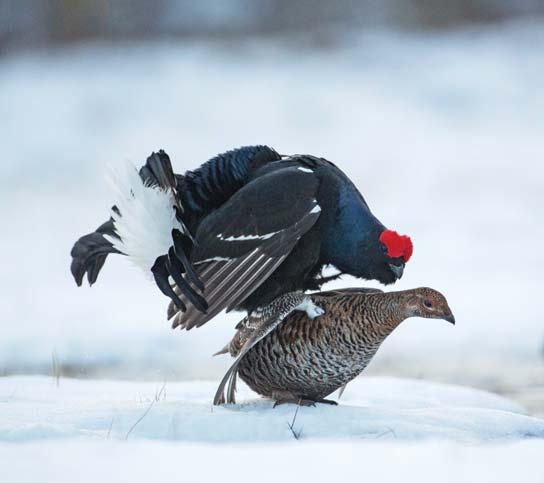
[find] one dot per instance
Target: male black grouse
(246, 227)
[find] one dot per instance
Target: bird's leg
(304, 402)
(312, 310)
(286, 397)
(300, 402)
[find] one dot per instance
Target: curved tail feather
(90, 251)
(147, 226)
(151, 230)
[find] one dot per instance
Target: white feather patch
(330, 271)
(146, 220)
(248, 237)
(213, 259)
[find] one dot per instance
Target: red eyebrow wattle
(397, 245)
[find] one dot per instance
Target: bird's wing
(238, 246)
(255, 327)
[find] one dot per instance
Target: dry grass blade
(55, 367)
(291, 425)
(146, 412)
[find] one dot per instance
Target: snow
(384, 428)
(36, 408)
(443, 135)
(66, 462)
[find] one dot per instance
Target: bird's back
(203, 190)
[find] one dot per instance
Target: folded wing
(241, 244)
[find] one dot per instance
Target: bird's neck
(381, 313)
(351, 234)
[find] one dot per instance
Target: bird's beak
(450, 318)
(397, 270)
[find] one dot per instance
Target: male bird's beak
(450, 318)
(397, 270)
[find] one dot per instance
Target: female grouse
(283, 352)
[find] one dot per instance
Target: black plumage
(256, 225)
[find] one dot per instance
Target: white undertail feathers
(146, 220)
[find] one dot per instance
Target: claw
(300, 402)
(327, 401)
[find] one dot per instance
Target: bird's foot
(286, 397)
(299, 401)
(327, 401)
(312, 310)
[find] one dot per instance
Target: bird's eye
(428, 304)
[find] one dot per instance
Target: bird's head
(396, 250)
(428, 303)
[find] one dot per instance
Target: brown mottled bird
(303, 347)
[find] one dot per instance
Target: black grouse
(246, 227)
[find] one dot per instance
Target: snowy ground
(35, 408)
(383, 428)
(443, 135)
(92, 461)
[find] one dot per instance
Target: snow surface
(35, 408)
(383, 430)
(298, 461)
(443, 135)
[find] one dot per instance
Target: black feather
(90, 251)
(158, 171)
(175, 269)
(182, 246)
(161, 274)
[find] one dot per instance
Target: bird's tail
(90, 251)
(146, 225)
(145, 214)
(224, 350)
